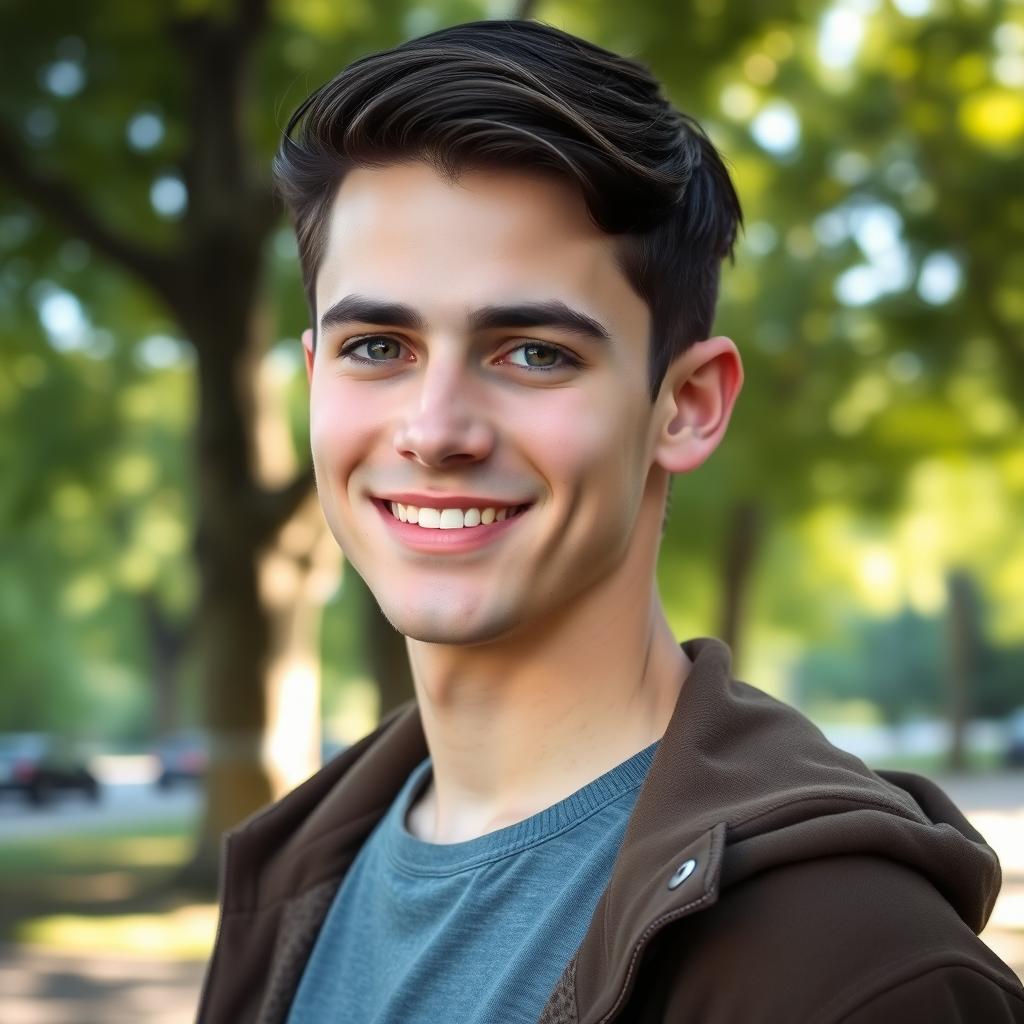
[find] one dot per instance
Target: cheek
(341, 425)
(585, 443)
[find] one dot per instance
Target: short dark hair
(523, 94)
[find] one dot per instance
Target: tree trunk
(261, 676)
(258, 547)
(742, 539)
(962, 662)
(261, 577)
(166, 642)
(234, 635)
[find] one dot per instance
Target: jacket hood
(742, 783)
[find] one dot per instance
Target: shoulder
(940, 993)
(852, 939)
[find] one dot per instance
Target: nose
(444, 426)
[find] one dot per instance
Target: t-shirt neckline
(416, 856)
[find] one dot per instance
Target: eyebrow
(550, 313)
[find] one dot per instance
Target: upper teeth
(448, 518)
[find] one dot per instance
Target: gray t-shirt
(474, 932)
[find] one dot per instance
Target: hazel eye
(378, 348)
(537, 356)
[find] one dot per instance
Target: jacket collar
(740, 783)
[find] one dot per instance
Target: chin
(447, 623)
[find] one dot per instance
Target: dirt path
(40, 987)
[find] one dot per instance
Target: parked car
(183, 757)
(38, 766)
(1015, 739)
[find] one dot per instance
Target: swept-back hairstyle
(521, 94)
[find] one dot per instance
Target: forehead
(403, 233)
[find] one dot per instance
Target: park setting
(185, 643)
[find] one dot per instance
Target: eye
(378, 348)
(535, 355)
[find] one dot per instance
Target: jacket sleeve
(953, 994)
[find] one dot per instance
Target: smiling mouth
(451, 518)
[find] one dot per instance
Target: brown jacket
(765, 877)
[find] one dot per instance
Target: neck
(517, 725)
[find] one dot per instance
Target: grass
(155, 845)
(109, 890)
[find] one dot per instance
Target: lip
(447, 501)
(469, 538)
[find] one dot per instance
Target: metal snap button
(683, 872)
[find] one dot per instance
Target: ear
(308, 349)
(695, 402)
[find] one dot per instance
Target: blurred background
(181, 642)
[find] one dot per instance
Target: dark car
(38, 766)
(183, 757)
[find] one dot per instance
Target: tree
(875, 297)
(257, 535)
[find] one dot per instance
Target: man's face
(462, 405)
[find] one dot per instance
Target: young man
(511, 244)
